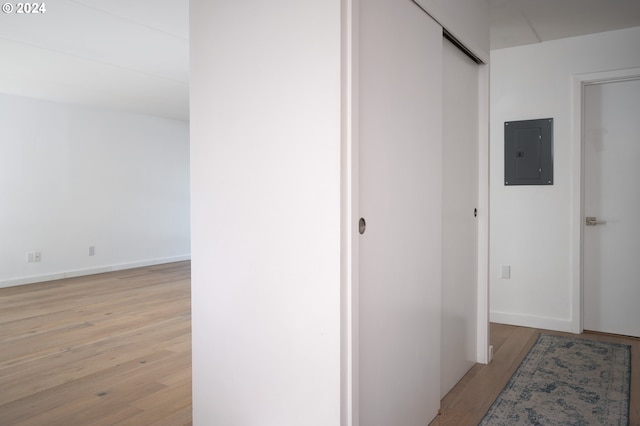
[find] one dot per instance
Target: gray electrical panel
(528, 152)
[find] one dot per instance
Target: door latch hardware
(593, 221)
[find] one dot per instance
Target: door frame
(577, 202)
(485, 350)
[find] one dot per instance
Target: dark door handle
(362, 225)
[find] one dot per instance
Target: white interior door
(459, 224)
(400, 181)
(611, 262)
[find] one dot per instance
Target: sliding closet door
(400, 200)
(459, 223)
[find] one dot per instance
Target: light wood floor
(115, 348)
(470, 399)
(106, 349)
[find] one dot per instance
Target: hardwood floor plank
(82, 351)
(44, 396)
(179, 418)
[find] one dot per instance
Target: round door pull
(362, 225)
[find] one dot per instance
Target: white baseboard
(532, 321)
(91, 271)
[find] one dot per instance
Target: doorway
(611, 233)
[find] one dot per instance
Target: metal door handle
(593, 221)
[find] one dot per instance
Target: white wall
(74, 177)
(532, 226)
(265, 173)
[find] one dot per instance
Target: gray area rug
(566, 381)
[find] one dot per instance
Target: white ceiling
(520, 22)
(133, 55)
(122, 54)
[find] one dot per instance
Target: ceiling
(134, 55)
(520, 22)
(122, 54)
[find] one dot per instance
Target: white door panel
(400, 166)
(459, 225)
(612, 194)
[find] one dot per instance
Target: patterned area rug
(566, 381)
